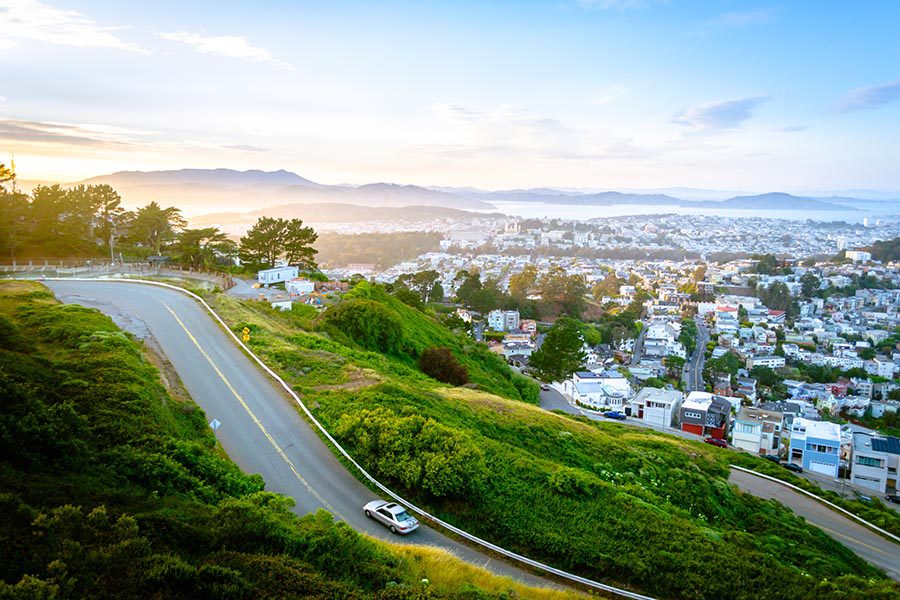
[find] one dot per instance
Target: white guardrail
(830, 505)
(477, 540)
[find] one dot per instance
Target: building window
(821, 449)
(869, 461)
(693, 415)
(746, 428)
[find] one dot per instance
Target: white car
(392, 515)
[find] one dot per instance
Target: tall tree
(203, 247)
(13, 222)
(271, 239)
(522, 284)
(562, 352)
(110, 214)
(154, 226)
(298, 245)
(609, 286)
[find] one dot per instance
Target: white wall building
(503, 320)
(657, 406)
(608, 390)
(874, 461)
(277, 275)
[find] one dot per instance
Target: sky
(595, 94)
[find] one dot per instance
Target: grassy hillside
(623, 505)
(110, 487)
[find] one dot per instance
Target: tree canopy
(561, 353)
(271, 240)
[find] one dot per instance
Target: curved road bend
(261, 431)
(870, 546)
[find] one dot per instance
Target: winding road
(865, 543)
(260, 429)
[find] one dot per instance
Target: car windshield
(402, 516)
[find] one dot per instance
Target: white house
(661, 339)
(758, 431)
(608, 390)
(300, 287)
(773, 362)
(277, 275)
(874, 461)
(657, 406)
(503, 320)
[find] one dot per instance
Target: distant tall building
(841, 243)
(866, 222)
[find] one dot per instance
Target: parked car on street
(545, 387)
(792, 467)
(614, 414)
(895, 498)
(773, 457)
(391, 515)
(716, 442)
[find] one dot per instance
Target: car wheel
(393, 529)
(368, 514)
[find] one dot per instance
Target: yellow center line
(854, 540)
(253, 417)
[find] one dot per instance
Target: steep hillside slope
(112, 487)
(627, 506)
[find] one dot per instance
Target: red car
(716, 442)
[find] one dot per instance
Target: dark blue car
(614, 414)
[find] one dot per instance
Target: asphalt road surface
(261, 429)
(693, 369)
(867, 544)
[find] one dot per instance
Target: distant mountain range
(770, 201)
(194, 190)
(205, 190)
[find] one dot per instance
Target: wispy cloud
(244, 148)
(233, 46)
(871, 97)
(32, 20)
(742, 18)
(611, 4)
(719, 116)
(512, 132)
(18, 131)
(793, 128)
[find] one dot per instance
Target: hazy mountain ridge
(196, 190)
(201, 190)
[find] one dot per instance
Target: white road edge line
(484, 543)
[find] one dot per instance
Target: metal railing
(460, 532)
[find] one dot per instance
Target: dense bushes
(370, 324)
(419, 454)
(443, 366)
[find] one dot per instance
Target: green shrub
(369, 324)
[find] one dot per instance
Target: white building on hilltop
(607, 390)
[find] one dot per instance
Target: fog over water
(886, 210)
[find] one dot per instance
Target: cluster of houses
(298, 290)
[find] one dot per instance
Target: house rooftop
(889, 444)
(824, 430)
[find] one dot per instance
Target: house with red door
(706, 414)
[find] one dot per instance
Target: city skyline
(593, 94)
